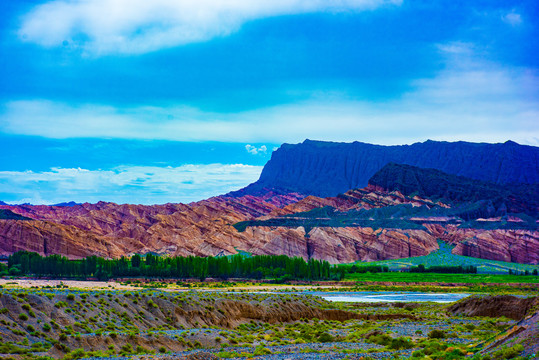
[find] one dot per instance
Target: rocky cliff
(327, 168)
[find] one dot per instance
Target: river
(369, 296)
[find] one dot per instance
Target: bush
(70, 297)
(260, 350)
(508, 353)
(75, 354)
(162, 349)
(23, 317)
(325, 337)
(400, 343)
(437, 334)
(380, 339)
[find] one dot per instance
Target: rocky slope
(112, 230)
(94, 320)
(327, 168)
(525, 332)
(509, 306)
(431, 183)
(206, 228)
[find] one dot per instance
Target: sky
(149, 102)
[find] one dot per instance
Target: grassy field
(444, 278)
(443, 256)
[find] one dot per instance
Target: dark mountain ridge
(438, 185)
(327, 168)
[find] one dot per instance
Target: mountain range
(327, 168)
(334, 201)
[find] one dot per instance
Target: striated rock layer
(206, 228)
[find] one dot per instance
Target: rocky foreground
(69, 324)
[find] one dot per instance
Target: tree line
(445, 269)
(279, 267)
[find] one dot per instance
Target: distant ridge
(435, 184)
(328, 168)
(67, 204)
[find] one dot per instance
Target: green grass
(443, 256)
(443, 278)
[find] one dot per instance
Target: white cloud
(470, 99)
(135, 184)
(140, 26)
(513, 18)
(254, 150)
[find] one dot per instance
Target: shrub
(380, 339)
(401, 343)
(75, 354)
(325, 337)
(23, 317)
(508, 353)
(437, 334)
(260, 350)
(162, 350)
(70, 297)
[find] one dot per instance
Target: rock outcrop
(509, 306)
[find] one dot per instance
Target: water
(369, 296)
(373, 296)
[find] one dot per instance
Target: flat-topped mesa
(327, 168)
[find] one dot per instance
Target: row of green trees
(362, 269)
(526, 272)
(256, 267)
(443, 269)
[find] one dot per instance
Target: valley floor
(72, 320)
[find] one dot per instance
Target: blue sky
(174, 100)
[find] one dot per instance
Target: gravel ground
(327, 351)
